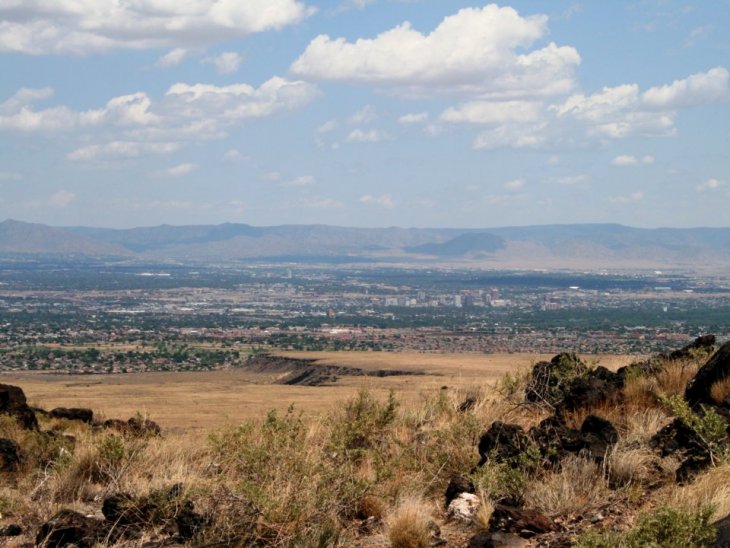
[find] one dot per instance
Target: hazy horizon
(366, 113)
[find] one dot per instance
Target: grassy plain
(199, 401)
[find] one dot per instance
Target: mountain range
(585, 246)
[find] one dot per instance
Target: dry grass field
(199, 401)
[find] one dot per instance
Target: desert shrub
(710, 427)
(408, 526)
(506, 479)
(628, 464)
(663, 527)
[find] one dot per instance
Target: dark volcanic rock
(598, 386)
(73, 414)
(143, 427)
(457, 485)
(70, 528)
(524, 522)
(189, 522)
(556, 440)
(549, 380)
(12, 530)
(9, 455)
(13, 402)
(467, 405)
(716, 369)
(723, 532)
(703, 345)
(124, 509)
(679, 440)
(502, 442)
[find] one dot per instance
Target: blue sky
(365, 112)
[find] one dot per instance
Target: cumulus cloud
(477, 51)
(413, 118)
(625, 160)
(116, 150)
(711, 185)
(140, 124)
(512, 136)
(369, 136)
(180, 170)
(627, 199)
(514, 185)
(384, 200)
(172, 58)
(698, 89)
(571, 180)
(302, 180)
(225, 63)
(491, 112)
(86, 26)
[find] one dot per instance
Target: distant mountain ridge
(590, 246)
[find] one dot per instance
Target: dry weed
(484, 512)
(628, 464)
(711, 488)
(720, 390)
(408, 525)
(578, 485)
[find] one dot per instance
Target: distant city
(178, 318)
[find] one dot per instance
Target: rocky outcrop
(550, 380)
(69, 528)
(701, 346)
(716, 369)
(9, 455)
(524, 522)
(73, 414)
(556, 440)
(502, 442)
(13, 403)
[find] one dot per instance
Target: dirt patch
(308, 372)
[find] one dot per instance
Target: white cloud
(625, 160)
(384, 200)
(413, 118)
(62, 198)
(86, 26)
(477, 52)
(630, 198)
(121, 150)
(172, 58)
(698, 89)
(181, 170)
(225, 63)
(711, 185)
(327, 127)
(514, 185)
(320, 203)
(571, 180)
(302, 180)
(491, 112)
(233, 155)
(365, 115)
(271, 177)
(370, 136)
(512, 136)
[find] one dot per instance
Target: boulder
(524, 522)
(467, 405)
(13, 402)
(10, 455)
(69, 528)
(723, 532)
(716, 369)
(596, 387)
(143, 427)
(189, 522)
(463, 507)
(549, 380)
(123, 509)
(556, 440)
(679, 440)
(496, 540)
(599, 434)
(73, 414)
(502, 442)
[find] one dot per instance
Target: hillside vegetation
(566, 454)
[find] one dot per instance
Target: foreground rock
(135, 426)
(9, 455)
(701, 346)
(556, 440)
(523, 522)
(679, 440)
(716, 369)
(550, 380)
(463, 507)
(68, 528)
(73, 414)
(503, 443)
(13, 403)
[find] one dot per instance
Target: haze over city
(365, 112)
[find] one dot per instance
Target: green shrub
(663, 527)
(710, 427)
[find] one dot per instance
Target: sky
(413, 113)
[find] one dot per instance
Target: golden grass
(711, 488)
(576, 487)
(408, 525)
(720, 390)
